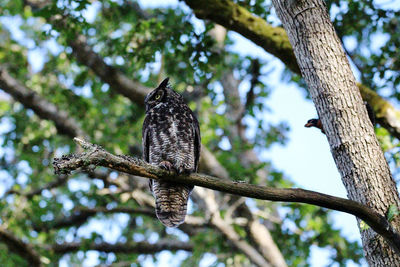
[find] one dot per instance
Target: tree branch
(97, 156)
(111, 75)
(19, 247)
(44, 109)
(130, 247)
(248, 158)
(81, 215)
(234, 17)
(85, 55)
(275, 41)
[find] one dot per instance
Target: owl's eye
(158, 96)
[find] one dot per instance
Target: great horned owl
(171, 140)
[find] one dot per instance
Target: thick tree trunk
(324, 66)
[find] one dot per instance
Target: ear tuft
(164, 83)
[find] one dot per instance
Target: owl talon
(180, 171)
(166, 165)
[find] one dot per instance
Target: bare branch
(99, 157)
(19, 247)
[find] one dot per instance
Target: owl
(171, 140)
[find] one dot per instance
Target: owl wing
(145, 145)
(197, 142)
(145, 139)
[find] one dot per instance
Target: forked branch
(97, 156)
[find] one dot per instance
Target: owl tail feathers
(171, 202)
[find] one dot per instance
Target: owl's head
(158, 95)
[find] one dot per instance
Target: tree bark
(325, 68)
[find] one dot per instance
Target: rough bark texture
(356, 151)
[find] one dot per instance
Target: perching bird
(171, 140)
(315, 123)
(318, 124)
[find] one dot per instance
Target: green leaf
(364, 226)
(392, 211)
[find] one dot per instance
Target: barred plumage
(171, 140)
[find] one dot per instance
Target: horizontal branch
(130, 247)
(97, 156)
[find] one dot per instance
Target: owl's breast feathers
(173, 135)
